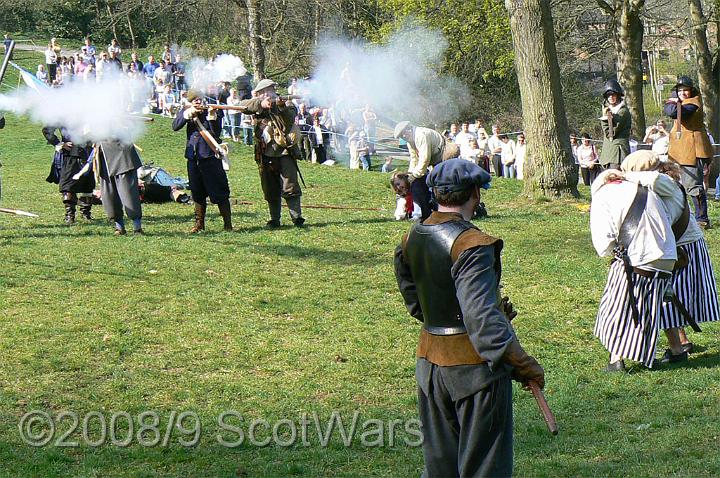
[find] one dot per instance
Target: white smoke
(401, 79)
(90, 111)
(224, 67)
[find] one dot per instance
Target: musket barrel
(544, 407)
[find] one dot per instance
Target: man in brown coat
(276, 151)
(689, 143)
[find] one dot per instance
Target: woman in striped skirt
(651, 254)
(694, 283)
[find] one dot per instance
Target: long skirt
(695, 287)
(614, 325)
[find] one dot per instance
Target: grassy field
(275, 324)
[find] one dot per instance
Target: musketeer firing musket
(205, 153)
(277, 150)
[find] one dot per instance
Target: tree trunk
(316, 30)
(257, 49)
(628, 44)
(112, 20)
(549, 166)
(132, 32)
(708, 86)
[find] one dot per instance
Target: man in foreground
(448, 272)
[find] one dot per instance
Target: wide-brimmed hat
(195, 93)
(640, 160)
(399, 128)
(262, 84)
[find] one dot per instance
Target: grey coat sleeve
(406, 284)
(476, 283)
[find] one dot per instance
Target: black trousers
(472, 436)
(421, 195)
(497, 165)
(208, 178)
(320, 153)
(589, 175)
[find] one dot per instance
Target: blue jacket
(196, 147)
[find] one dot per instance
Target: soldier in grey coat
(616, 124)
(117, 167)
(448, 272)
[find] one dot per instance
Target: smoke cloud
(91, 111)
(223, 68)
(400, 80)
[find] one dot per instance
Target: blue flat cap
(456, 175)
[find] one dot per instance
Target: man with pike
(277, 151)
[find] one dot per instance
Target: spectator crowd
(326, 131)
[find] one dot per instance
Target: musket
(17, 212)
(147, 119)
(237, 202)
(544, 407)
(611, 127)
(678, 120)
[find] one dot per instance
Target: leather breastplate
(428, 252)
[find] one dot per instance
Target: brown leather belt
(652, 274)
(447, 350)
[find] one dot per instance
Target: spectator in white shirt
(588, 158)
(507, 156)
(495, 147)
(51, 63)
(102, 65)
(453, 132)
(473, 152)
(463, 138)
(41, 74)
(520, 156)
(114, 47)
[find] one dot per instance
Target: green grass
(274, 324)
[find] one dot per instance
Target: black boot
(701, 210)
(69, 200)
(225, 212)
(199, 218)
(85, 207)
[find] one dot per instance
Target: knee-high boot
(225, 212)
(69, 200)
(85, 207)
(200, 210)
